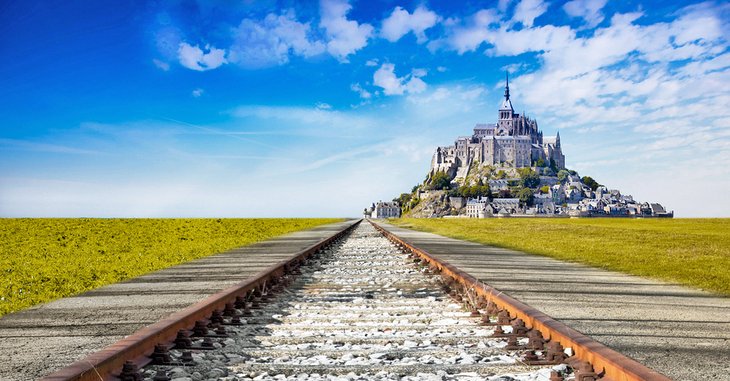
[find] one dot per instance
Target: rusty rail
(107, 363)
(614, 365)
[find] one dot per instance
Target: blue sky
(284, 108)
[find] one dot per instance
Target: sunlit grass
(693, 252)
(45, 259)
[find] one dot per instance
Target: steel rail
(617, 367)
(107, 363)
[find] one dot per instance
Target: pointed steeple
(506, 85)
(506, 103)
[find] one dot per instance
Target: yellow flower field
(45, 259)
(693, 252)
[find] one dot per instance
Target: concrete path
(42, 339)
(680, 332)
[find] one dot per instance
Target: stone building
(478, 208)
(383, 209)
(513, 141)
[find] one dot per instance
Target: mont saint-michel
(514, 141)
(509, 168)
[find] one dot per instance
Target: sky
(307, 109)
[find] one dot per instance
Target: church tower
(506, 112)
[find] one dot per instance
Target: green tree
(540, 162)
(545, 189)
(529, 178)
(526, 196)
(474, 191)
(593, 184)
(553, 165)
(500, 174)
(484, 191)
(440, 180)
(403, 199)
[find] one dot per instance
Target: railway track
(365, 305)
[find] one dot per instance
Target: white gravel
(362, 311)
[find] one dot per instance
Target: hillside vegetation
(45, 259)
(693, 252)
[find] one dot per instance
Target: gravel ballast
(361, 311)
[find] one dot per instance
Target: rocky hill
(487, 191)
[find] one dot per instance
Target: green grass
(693, 252)
(45, 259)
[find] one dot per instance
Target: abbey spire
(506, 85)
(505, 124)
(506, 103)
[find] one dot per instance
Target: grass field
(45, 259)
(694, 252)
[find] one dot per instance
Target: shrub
(440, 180)
(562, 175)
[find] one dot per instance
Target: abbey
(514, 141)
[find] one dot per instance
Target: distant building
(506, 205)
(478, 208)
(498, 185)
(384, 209)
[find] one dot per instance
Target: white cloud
(364, 94)
(391, 84)
(195, 58)
(401, 22)
(588, 10)
(344, 37)
(371, 63)
(503, 4)
(162, 65)
(272, 41)
(386, 79)
(415, 85)
(527, 11)
(471, 35)
(197, 93)
(539, 39)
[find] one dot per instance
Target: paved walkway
(47, 337)
(681, 332)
